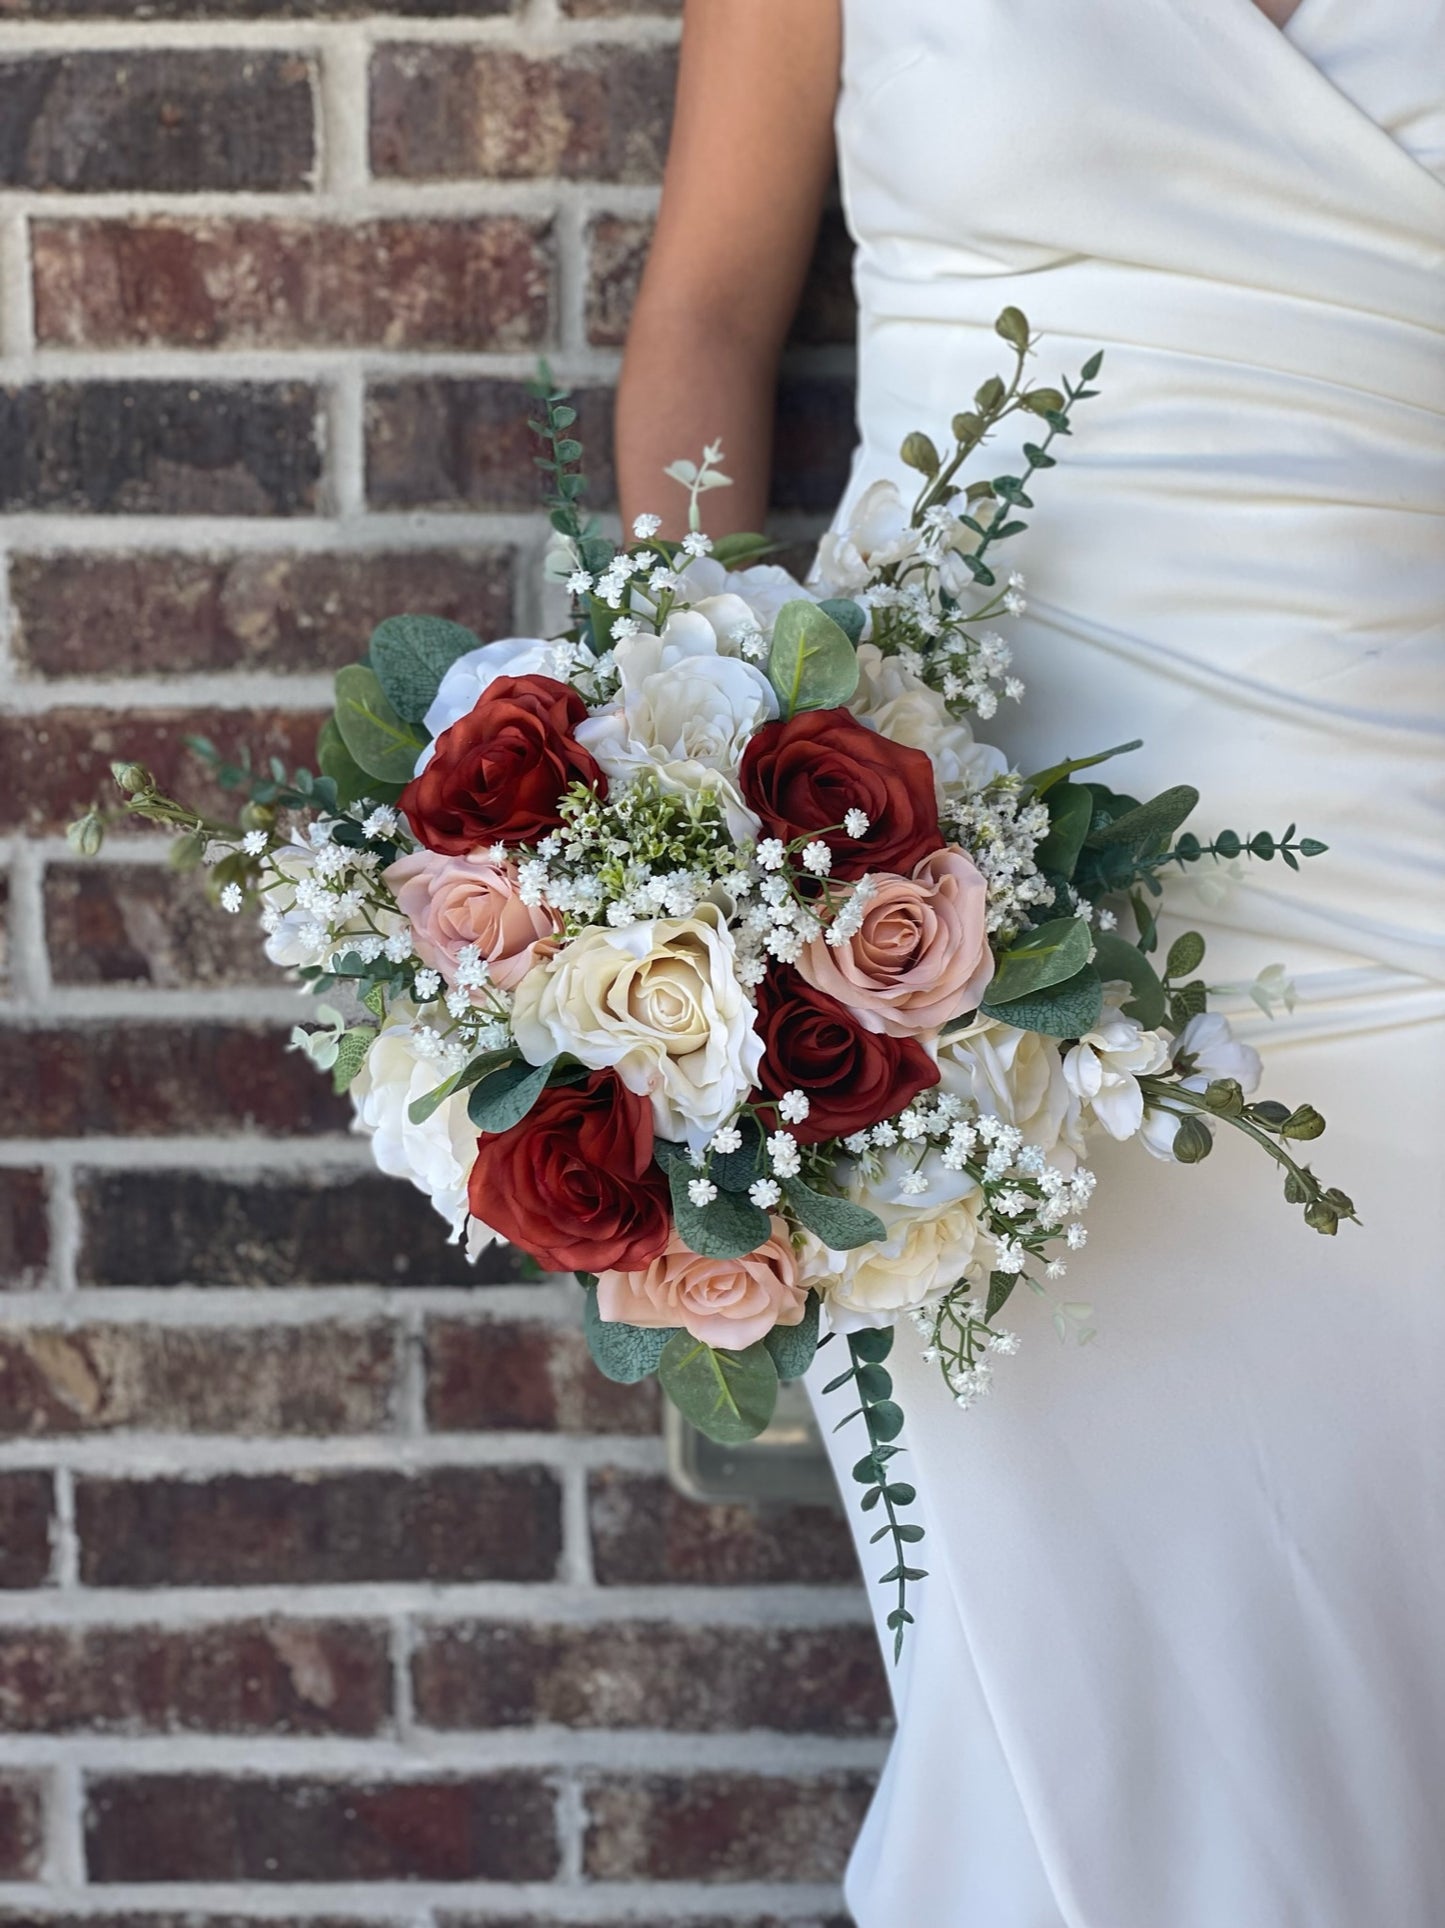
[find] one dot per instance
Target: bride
(1178, 1663)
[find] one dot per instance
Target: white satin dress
(1180, 1660)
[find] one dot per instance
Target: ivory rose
(898, 704)
(934, 1241)
(921, 954)
(659, 1002)
(729, 1303)
(1016, 1076)
(453, 902)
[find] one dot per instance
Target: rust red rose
(804, 775)
(852, 1077)
(498, 774)
(574, 1183)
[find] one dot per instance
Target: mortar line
(66, 1544)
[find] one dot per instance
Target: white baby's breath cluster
(1001, 826)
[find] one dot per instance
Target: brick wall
(334, 1587)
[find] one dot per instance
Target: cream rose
(684, 713)
(891, 699)
(920, 956)
(1016, 1076)
(729, 1303)
(934, 1240)
(453, 902)
(436, 1156)
(662, 1004)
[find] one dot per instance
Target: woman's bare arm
(749, 165)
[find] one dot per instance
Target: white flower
(855, 822)
(231, 898)
(726, 1140)
(877, 533)
(739, 601)
(1016, 1076)
(898, 704)
(426, 985)
(701, 1191)
(662, 1004)
(644, 527)
(381, 822)
(469, 675)
(765, 1192)
(1103, 1069)
(254, 842)
(684, 713)
(794, 1107)
(783, 1154)
(436, 1156)
(817, 859)
(1207, 1049)
(931, 1244)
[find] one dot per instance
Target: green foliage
(812, 664)
(883, 1418)
(623, 1353)
(480, 1067)
(729, 1396)
(793, 1347)
(1064, 1010)
(1116, 957)
(1000, 1289)
(1148, 827)
(741, 551)
(505, 1096)
(379, 741)
(1186, 954)
(848, 615)
(351, 1049)
(411, 654)
(1193, 1140)
(729, 1228)
(1045, 780)
(352, 782)
(840, 1223)
(1071, 811)
(1046, 955)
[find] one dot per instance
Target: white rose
(469, 675)
(662, 1005)
(934, 1241)
(1103, 1069)
(876, 534)
(734, 599)
(898, 704)
(684, 713)
(1018, 1077)
(436, 1156)
(1205, 1049)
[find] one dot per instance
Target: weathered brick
(160, 448)
(256, 611)
(796, 1680)
(246, 1677)
(192, 1918)
(723, 1827)
(214, 1827)
(322, 1379)
(501, 1375)
(645, 1533)
(616, 9)
(617, 248)
(24, 1231)
(325, 1529)
(593, 113)
(142, 1079)
(4, 939)
(26, 1506)
(434, 442)
(58, 764)
(159, 10)
(166, 120)
(145, 924)
(483, 283)
(158, 1228)
(22, 1826)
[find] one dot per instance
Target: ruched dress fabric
(1179, 1660)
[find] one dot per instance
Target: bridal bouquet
(705, 952)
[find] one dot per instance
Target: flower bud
(132, 778)
(919, 453)
(1321, 1217)
(86, 835)
(1192, 1141)
(1226, 1096)
(1303, 1122)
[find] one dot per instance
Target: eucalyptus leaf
(623, 1353)
(1045, 780)
(505, 1096)
(848, 615)
(840, 1223)
(1071, 811)
(334, 760)
(792, 1346)
(1186, 954)
(812, 664)
(1150, 826)
(1041, 957)
(1065, 1010)
(729, 1228)
(351, 1050)
(1116, 957)
(420, 1109)
(734, 1171)
(411, 654)
(378, 739)
(729, 1396)
(740, 551)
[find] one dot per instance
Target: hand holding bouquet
(705, 952)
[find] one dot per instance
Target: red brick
(4, 939)
(165, 120)
(145, 924)
(215, 1827)
(709, 1680)
(645, 1533)
(24, 1231)
(246, 1677)
(322, 1379)
(160, 448)
(22, 1826)
(26, 1503)
(323, 1529)
(617, 248)
(723, 1827)
(483, 283)
(594, 113)
(499, 1376)
(147, 1079)
(434, 442)
(158, 1228)
(58, 764)
(260, 611)
(616, 9)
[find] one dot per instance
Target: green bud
(991, 395)
(1225, 1096)
(186, 852)
(257, 816)
(1340, 1202)
(1270, 1112)
(1295, 1189)
(132, 778)
(86, 835)
(1043, 401)
(1193, 1141)
(1321, 1217)
(1303, 1122)
(967, 427)
(1013, 325)
(919, 453)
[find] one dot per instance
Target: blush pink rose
(728, 1303)
(451, 902)
(920, 956)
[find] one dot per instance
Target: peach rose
(455, 901)
(728, 1303)
(920, 956)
